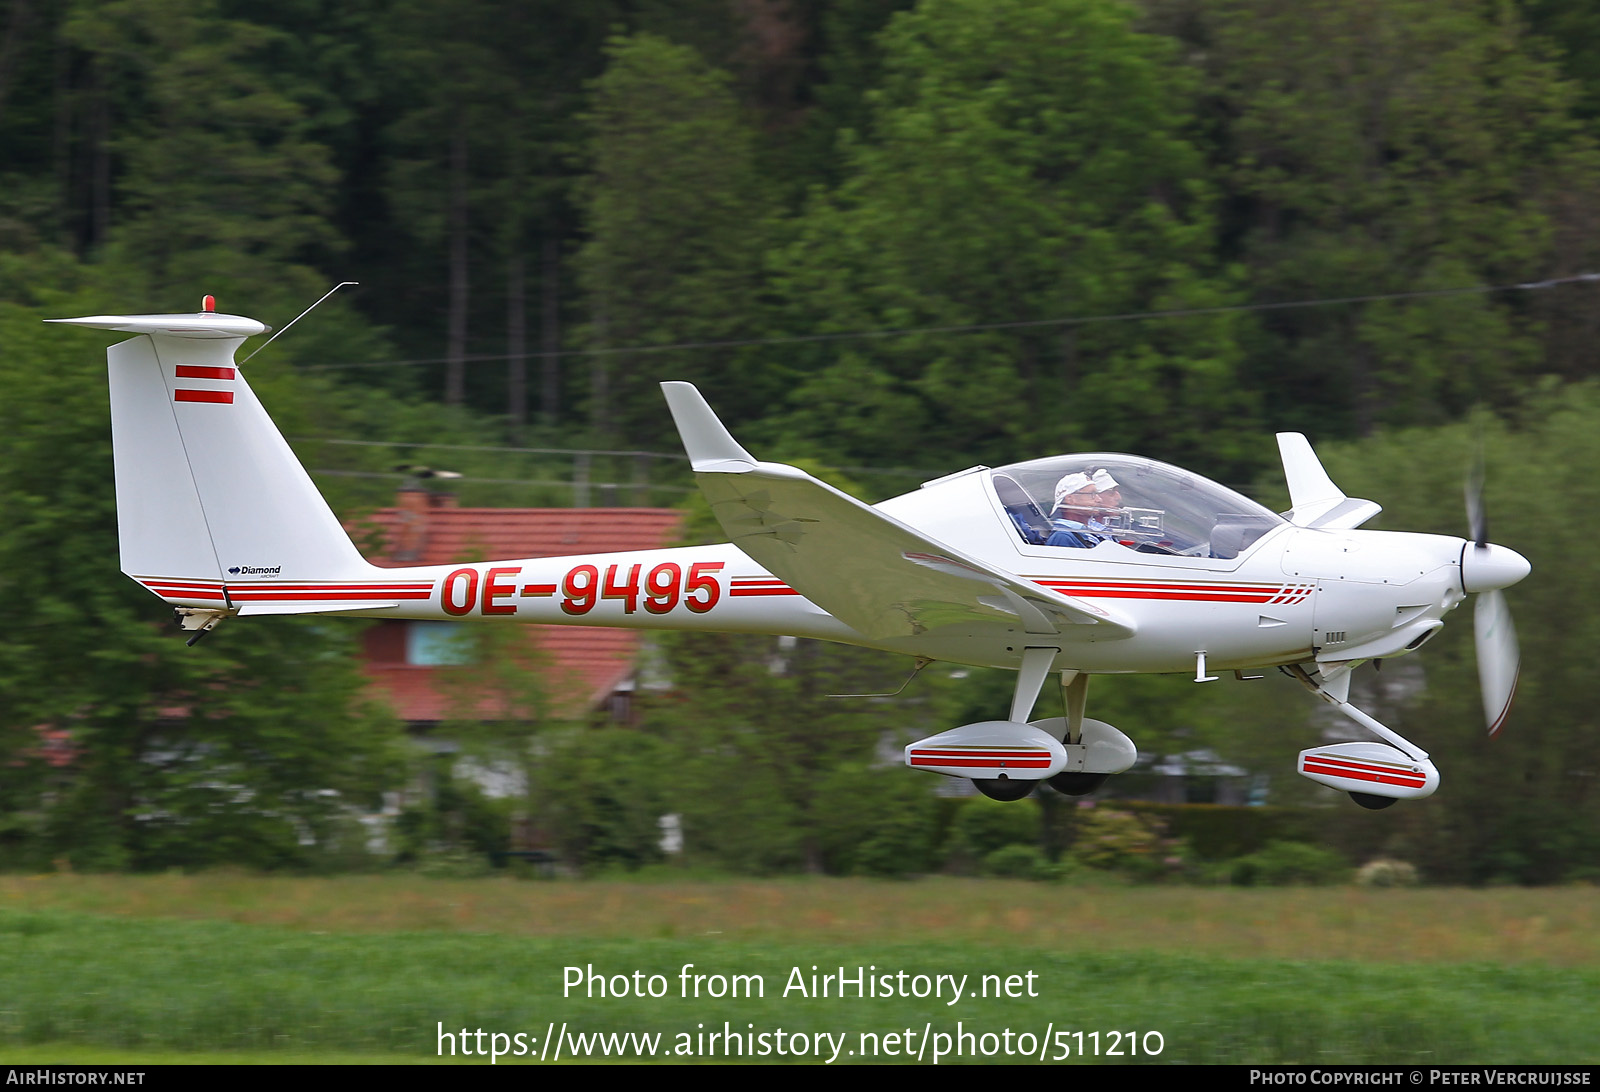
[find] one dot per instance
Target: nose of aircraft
(1487, 567)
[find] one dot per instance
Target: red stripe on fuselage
(1193, 597)
(264, 592)
(1173, 591)
(298, 586)
(319, 597)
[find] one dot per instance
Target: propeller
(1477, 515)
(1486, 569)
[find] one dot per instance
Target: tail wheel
(1003, 788)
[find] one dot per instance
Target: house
(586, 668)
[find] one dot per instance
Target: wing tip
(706, 440)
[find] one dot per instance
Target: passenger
(1108, 494)
(1080, 501)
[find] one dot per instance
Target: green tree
(478, 172)
(1398, 147)
(599, 794)
(677, 218)
(213, 154)
(500, 706)
(123, 747)
(768, 759)
(1023, 162)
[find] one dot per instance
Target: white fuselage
(1295, 594)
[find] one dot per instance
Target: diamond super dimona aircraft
(1076, 565)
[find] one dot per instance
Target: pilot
(1081, 500)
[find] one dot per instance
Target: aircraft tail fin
(209, 494)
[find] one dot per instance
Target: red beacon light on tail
(209, 303)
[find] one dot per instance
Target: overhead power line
(558, 483)
(490, 447)
(573, 452)
(981, 327)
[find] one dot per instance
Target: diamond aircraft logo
(255, 570)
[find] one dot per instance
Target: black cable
(1021, 324)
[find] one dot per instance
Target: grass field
(220, 967)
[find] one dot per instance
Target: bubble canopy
(1155, 508)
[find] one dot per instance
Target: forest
(890, 240)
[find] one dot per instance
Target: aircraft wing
(879, 576)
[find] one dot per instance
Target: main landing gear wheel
(1003, 788)
(1077, 784)
(1372, 803)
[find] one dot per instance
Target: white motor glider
(1078, 565)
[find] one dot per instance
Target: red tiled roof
(585, 664)
(500, 534)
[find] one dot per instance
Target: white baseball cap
(1073, 483)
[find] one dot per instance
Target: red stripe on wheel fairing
(195, 371)
(224, 398)
(1033, 752)
(1372, 778)
(983, 763)
(1375, 774)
